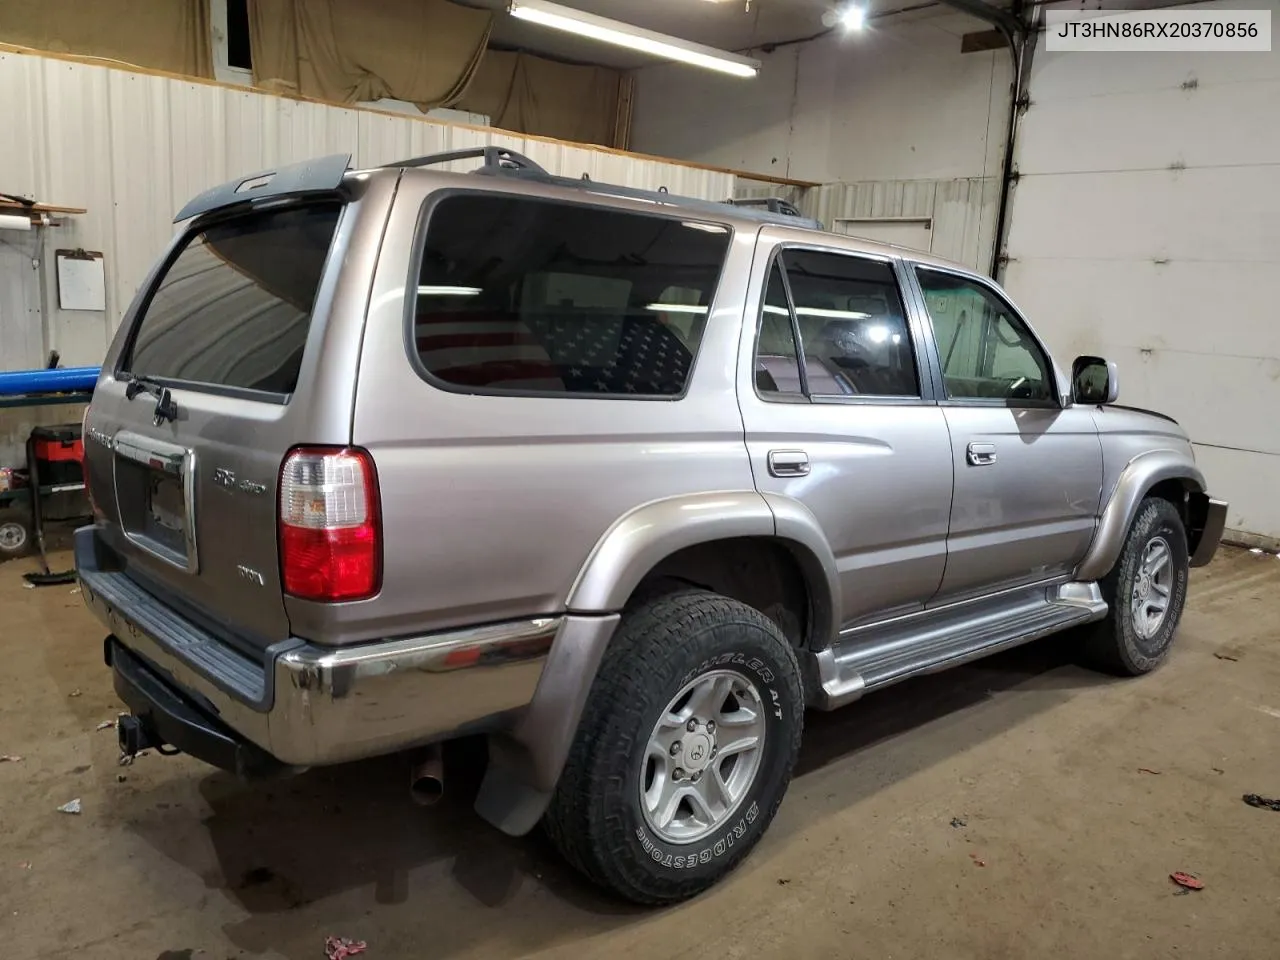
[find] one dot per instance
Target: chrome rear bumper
(311, 705)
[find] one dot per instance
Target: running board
(880, 654)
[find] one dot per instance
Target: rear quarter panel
(491, 505)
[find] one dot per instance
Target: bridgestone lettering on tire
(649, 679)
(1145, 591)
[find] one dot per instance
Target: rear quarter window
(534, 297)
(233, 308)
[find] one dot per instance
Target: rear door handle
(788, 463)
(982, 454)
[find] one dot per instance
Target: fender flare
(642, 538)
(525, 762)
(797, 527)
(1137, 478)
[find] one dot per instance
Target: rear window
(234, 308)
(518, 295)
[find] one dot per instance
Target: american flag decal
(577, 351)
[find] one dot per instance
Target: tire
(597, 818)
(1118, 644)
(15, 534)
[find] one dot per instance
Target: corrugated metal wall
(1145, 227)
(963, 212)
(132, 148)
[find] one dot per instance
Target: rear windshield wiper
(136, 383)
(166, 406)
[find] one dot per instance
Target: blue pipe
(68, 380)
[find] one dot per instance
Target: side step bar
(881, 654)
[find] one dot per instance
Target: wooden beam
(492, 130)
(39, 207)
(984, 40)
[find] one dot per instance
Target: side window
(534, 297)
(684, 310)
(777, 366)
(853, 329)
(986, 351)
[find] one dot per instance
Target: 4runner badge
(227, 479)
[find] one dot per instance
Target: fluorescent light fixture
(853, 17)
(449, 291)
(676, 308)
(633, 38)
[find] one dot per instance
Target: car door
(1028, 465)
(854, 433)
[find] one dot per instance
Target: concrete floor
(1079, 795)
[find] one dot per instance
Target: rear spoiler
(322, 175)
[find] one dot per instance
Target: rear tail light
(330, 535)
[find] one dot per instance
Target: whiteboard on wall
(82, 280)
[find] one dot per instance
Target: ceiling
(726, 24)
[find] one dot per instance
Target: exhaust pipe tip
(426, 791)
(426, 778)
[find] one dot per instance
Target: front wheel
(684, 751)
(1146, 591)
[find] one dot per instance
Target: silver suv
(623, 481)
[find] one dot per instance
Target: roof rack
(499, 161)
(772, 204)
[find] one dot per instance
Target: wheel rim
(702, 756)
(1152, 588)
(12, 536)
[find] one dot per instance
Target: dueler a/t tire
(1115, 643)
(662, 646)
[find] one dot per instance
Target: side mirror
(1094, 381)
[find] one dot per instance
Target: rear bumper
(308, 705)
(1215, 522)
(171, 719)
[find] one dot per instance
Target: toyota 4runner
(623, 481)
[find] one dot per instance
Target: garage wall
(1145, 226)
(895, 122)
(898, 101)
(132, 148)
(955, 219)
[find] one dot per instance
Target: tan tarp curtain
(342, 51)
(169, 35)
(529, 94)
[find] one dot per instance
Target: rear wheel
(15, 533)
(684, 751)
(1146, 591)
